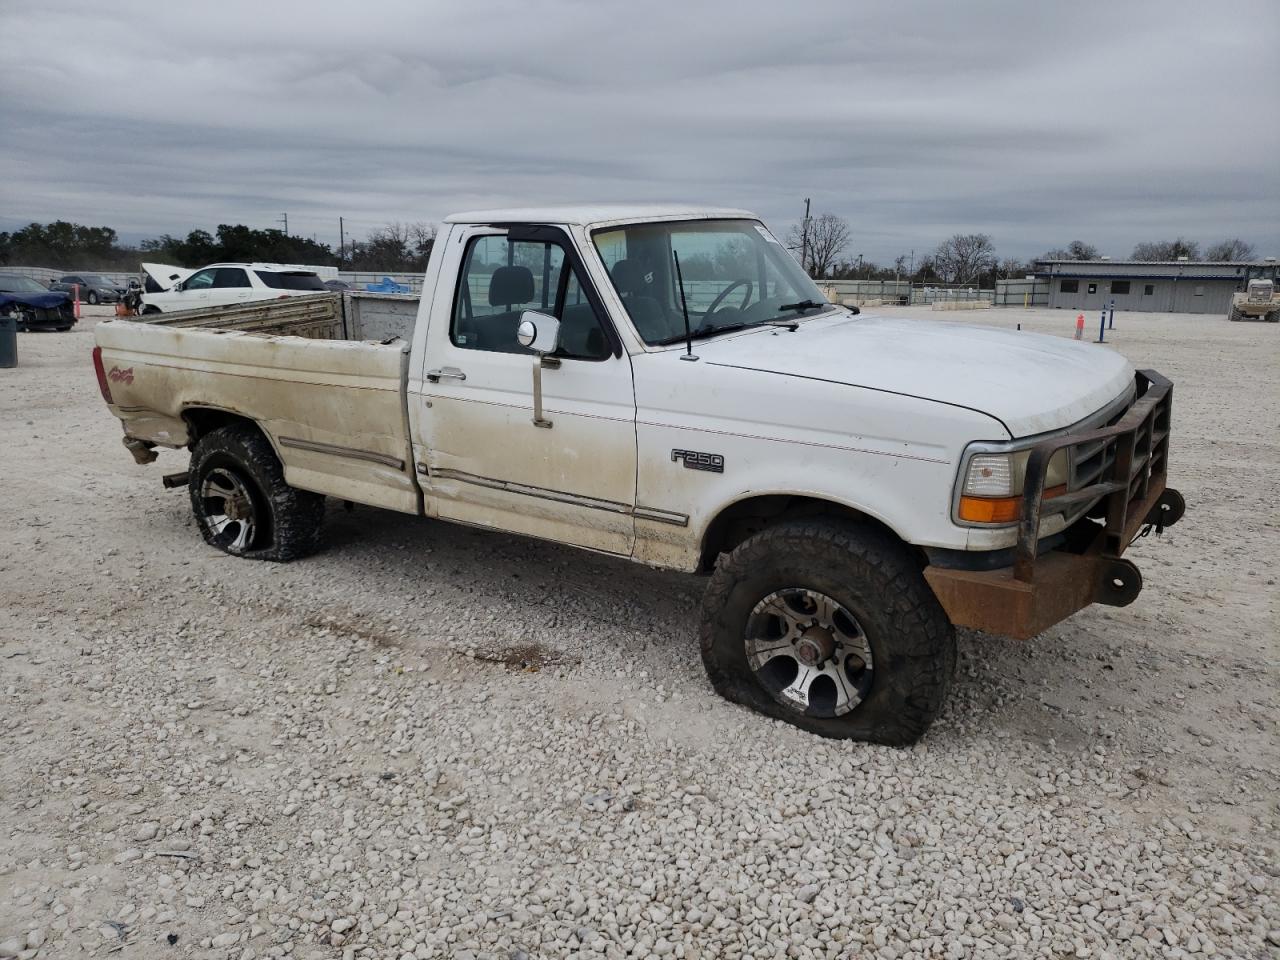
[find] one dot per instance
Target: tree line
(822, 245)
(392, 248)
(970, 258)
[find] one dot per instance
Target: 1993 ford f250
(668, 385)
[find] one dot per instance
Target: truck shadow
(599, 614)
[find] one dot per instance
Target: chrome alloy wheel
(809, 652)
(229, 510)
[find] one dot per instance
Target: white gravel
(434, 742)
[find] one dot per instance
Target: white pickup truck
(667, 385)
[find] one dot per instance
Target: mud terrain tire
(235, 465)
(876, 586)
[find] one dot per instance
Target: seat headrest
(510, 285)
(629, 277)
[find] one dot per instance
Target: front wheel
(831, 627)
(243, 505)
(92, 299)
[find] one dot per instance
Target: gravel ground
(435, 742)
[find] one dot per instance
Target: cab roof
(596, 213)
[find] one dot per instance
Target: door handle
(435, 376)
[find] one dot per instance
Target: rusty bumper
(1127, 493)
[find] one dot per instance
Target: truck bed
(333, 408)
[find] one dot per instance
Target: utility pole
(284, 218)
(804, 238)
(342, 246)
(859, 266)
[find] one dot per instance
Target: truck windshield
(735, 275)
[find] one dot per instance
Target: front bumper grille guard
(1135, 465)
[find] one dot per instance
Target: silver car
(94, 287)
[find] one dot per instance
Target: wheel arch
(202, 420)
(742, 518)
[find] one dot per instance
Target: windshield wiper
(698, 334)
(802, 305)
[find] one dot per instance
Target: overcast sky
(1038, 123)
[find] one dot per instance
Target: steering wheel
(706, 317)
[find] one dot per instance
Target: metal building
(1182, 286)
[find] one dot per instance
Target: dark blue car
(33, 305)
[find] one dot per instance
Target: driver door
(486, 462)
(196, 290)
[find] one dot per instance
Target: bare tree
(1167, 250)
(394, 234)
(1012, 267)
(422, 237)
(1232, 249)
(963, 257)
(826, 236)
(1075, 250)
(402, 247)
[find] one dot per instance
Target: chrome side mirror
(540, 332)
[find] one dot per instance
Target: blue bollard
(1111, 315)
(1102, 326)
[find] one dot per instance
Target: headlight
(992, 490)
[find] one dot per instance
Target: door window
(501, 279)
(202, 280)
(230, 277)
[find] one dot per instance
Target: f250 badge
(696, 460)
(121, 376)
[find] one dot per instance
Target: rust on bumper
(1038, 591)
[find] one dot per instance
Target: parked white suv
(220, 284)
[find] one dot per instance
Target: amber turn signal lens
(990, 509)
(999, 509)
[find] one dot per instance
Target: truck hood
(1031, 383)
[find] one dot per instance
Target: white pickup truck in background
(667, 385)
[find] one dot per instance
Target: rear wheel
(241, 502)
(831, 627)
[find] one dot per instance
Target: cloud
(1107, 122)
